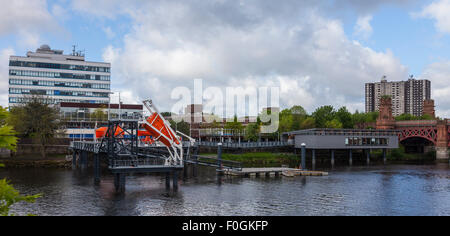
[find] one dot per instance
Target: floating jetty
(287, 172)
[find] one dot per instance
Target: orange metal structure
(156, 129)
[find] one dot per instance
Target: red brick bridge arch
(418, 129)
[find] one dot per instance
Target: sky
(319, 52)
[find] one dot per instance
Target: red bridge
(421, 135)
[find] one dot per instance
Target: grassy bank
(260, 158)
(400, 156)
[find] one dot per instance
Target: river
(375, 190)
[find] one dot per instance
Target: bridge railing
(416, 123)
(214, 162)
(85, 146)
(245, 144)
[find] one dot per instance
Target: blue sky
(305, 47)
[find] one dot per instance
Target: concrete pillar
(167, 180)
(384, 156)
(119, 182)
(74, 159)
(303, 156)
(84, 157)
(350, 157)
(219, 156)
(175, 180)
(97, 168)
(313, 154)
(332, 158)
(442, 153)
(368, 156)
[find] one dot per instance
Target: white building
(61, 78)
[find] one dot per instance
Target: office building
(58, 77)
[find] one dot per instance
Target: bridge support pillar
(175, 180)
(195, 165)
(384, 156)
(119, 182)
(442, 153)
(167, 181)
(332, 158)
(96, 168)
(219, 156)
(74, 159)
(303, 167)
(313, 154)
(83, 159)
(350, 157)
(368, 156)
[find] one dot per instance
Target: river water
(375, 190)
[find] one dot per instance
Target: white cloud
(439, 11)
(26, 19)
(263, 43)
(109, 33)
(363, 29)
(4, 75)
(439, 75)
(227, 43)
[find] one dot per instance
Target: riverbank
(35, 161)
(259, 158)
(396, 156)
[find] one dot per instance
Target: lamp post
(303, 156)
(109, 105)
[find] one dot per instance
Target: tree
(36, 119)
(9, 195)
(8, 139)
(345, 118)
(286, 120)
(323, 115)
(308, 123)
(235, 126)
(252, 132)
(99, 115)
(182, 126)
(299, 114)
(333, 124)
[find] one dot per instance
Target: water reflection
(376, 190)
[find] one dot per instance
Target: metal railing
(214, 162)
(246, 144)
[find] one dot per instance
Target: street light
(109, 104)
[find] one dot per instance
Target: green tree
(333, 124)
(252, 132)
(405, 117)
(235, 126)
(9, 195)
(36, 119)
(345, 118)
(8, 139)
(286, 121)
(299, 114)
(323, 115)
(182, 126)
(308, 123)
(99, 115)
